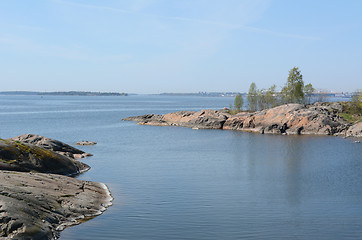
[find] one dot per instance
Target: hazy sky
(154, 46)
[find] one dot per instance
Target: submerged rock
(39, 206)
(24, 157)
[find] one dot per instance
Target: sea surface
(178, 183)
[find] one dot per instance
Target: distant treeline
(69, 93)
(203, 94)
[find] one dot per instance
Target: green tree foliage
(356, 103)
(352, 111)
(308, 90)
(267, 98)
(270, 97)
(293, 91)
(262, 99)
(238, 102)
(284, 96)
(253, 97)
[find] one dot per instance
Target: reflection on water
(179, 183)
(293, 160)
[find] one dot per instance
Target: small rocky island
(38, 199)
(318, 119)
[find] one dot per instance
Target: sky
(156, 46)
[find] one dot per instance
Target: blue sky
(154, 46)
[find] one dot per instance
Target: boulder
(39, 206)
(24, 157)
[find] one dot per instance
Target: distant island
(68, 93)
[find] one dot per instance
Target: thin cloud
(22, 27)
(5, 40)
(144, 14)
(26, 45)
(93, 6)
(194, 20)
(287, 35)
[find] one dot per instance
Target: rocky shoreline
(317, 119)
(38, 199)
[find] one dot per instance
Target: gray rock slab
(39, 206)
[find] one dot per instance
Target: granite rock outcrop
(25, 157)
(51, 144)
(355, 130)
(36, 200)
(39, 206)
(318, 119)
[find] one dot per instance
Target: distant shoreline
(199, 94)
(66, 93)
(233, 94)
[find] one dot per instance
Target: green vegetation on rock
(294, 91)
(238, 102)
(352, 111)
(253, 97)
(19, 156)
(308, 90)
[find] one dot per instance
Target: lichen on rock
(24, 157)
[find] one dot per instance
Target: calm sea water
(179, 183)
